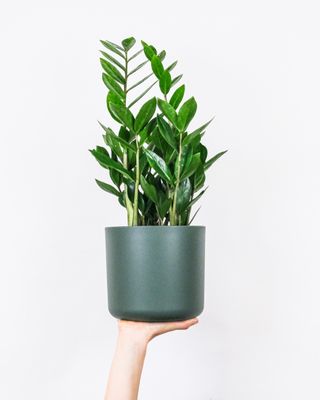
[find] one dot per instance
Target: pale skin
(131, 348)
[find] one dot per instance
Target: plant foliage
(156, 164)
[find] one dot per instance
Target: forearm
(126, 369)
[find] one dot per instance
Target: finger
(178, 325)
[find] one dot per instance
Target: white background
(255, 66)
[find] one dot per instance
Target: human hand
(133, 339)
(146, 331)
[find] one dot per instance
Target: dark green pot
(155, 273)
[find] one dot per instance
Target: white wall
(255, 66)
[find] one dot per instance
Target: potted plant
(157, 166)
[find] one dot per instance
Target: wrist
(133, 338)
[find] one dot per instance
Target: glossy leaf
(186, 113)
(113, 47)
(145, 114)
(177, 97)
(176, 80)
(149, 190)
(139, 82)
(141, 95)
(157, 66)
(168, 111)
(163, 204)
(122, 142)
(194, 165)
(202, 128)
(137, 68)
(110, 140)
(162, 55)
(124, 114)
(112, 85)
(128, 43)
(108, 188)
(195, 199)
(158, 164)
(113, 98)
(135, 55)
(165, 82)
(113, 60)
(148, 51)
(106, 162)
(171, 66)
(193, 139)
(213, 159)
(166, 132)
(185, 161)
(183, 195)
(112, 71)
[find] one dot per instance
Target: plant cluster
(157, 166)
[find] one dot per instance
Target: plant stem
(125, 155)
(136, 186)
(173, 216)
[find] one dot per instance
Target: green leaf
(203, 152)
(112, 71)
(166, 132)
(141, 95)
(148, 50)
(162, 55)
(149, 190)
(186, 113)
(122, 199)
(157, 66)
(199, 178)
(139, 82)
(171, 66)
(185, 161)
(102, 150)
(145, 114)
(158, 164)
(109, 139)
(124, 143)
(108, 188)
(128, 43)
(113, 98)
(112, 85)
(183, 195)
(202, 128)
(194, 164)
(177, 97)
(213, 159)
(124, 114)
(135, 54)
(113, 47)
(165, 82)
(163, 204)
(113, 60)
(193, 139)
(106, 162)
(137, 68)
(194, 215)
(143, 135)
(195, 199)
(115, 142)
(168, 111)
(176, 80)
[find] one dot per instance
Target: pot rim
(156, 227)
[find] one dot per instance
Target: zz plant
(156, 164)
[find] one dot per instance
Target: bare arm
(127, 364)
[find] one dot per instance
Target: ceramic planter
(155, 273)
